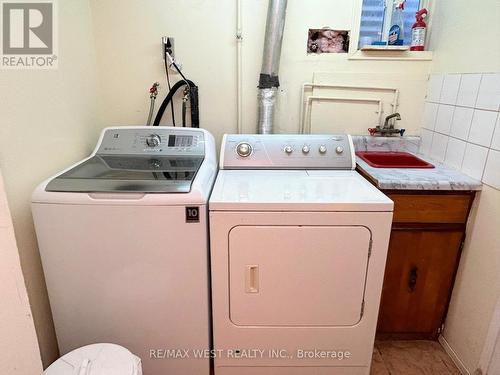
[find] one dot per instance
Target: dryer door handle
(252, 279)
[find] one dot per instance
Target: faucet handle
(401, 132)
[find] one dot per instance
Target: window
(376, 20)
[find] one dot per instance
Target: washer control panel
(152, 141)
(287, 151)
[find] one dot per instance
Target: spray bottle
(396, 32)
(418, 31)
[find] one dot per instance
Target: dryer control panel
(287, 151)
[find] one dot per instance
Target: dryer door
(297, 275)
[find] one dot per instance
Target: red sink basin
(388, 159)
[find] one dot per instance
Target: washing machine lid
(141, 159)
(97, 359)
(296, 190)
(132, 173)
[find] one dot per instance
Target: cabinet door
(419, 276)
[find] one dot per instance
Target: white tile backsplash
(438, 147)
(455, 153)
(449, 91)
(474, 160)
(434, 87)
(460, 125)
(444, 118)
(489, 92)
(495, 141)
(426, 141)
(482, 127)
(430, 114)
(492, 169)
(469, 87)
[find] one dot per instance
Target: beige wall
(465, 36)
(465, 39)
(18, 343)
(477, 287)
(48, 119)
(128, 36)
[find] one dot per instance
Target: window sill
(388, 54)
(385, 48)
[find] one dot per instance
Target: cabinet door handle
(412, 279)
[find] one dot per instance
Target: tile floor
(411, 358)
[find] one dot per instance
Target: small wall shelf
(384, 48)
(390, 54)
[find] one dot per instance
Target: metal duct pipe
(269, 81)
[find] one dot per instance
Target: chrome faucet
(388, 128)
(396, 115)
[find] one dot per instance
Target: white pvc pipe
(310, 99)
(394, 104)
(239, 68)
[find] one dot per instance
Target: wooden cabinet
(424, 252)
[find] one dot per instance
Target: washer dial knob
(153, 140)
(244, 149)
(288, 149)
(322, 149)
(339, 149)
(305, 149)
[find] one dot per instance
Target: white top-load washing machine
(298, 249)
(123, 238)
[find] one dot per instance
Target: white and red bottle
(418, 31)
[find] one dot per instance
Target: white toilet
(97, 359)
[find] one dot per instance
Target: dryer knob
(322, 149)
(244, 149)
(288, 149)
(339, 149)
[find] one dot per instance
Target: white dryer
(298, 249)
(123, 238)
